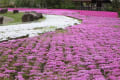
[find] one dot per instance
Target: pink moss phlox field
(88, 51)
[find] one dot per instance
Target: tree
(5, 2)
(67, 4)
(115, 4)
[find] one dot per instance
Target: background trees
(66, 4)
(60, 4)
(116, 4)
(5, 2)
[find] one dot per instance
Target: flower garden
(87, 51)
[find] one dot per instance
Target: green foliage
(64, 4)
(115, 4)
(25, 76)
(67, 4)
(6, 78)
(29, 3)
(119, 13)
(5, 3)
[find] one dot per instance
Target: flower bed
(88, 51)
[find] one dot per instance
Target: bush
(109, 9)
(119, 13)
(67, 6)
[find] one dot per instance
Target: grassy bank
(17, 18)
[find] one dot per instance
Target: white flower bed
(51, 23)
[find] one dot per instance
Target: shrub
(119, 12)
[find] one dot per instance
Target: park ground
(87, 51)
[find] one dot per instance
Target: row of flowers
(88, 51)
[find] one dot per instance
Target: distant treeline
(64, 4)
(38, 3)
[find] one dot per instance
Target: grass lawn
(17, 17)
